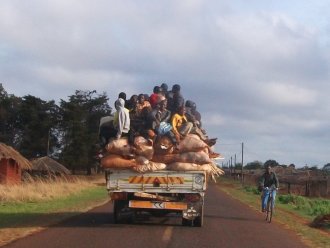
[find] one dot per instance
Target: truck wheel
(198, 221)
(186, 222)
(117, 208)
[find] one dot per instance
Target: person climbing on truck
(122, 120)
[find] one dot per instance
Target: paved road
(227, 223)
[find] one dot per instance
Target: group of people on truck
(162, 113)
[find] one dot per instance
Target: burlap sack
(119, 147)
(117, 161)
(191, 143)
(163, 145)
(167, 158)
(181, 166)
(194, 157)
(151, 166)
(143, 147)
(140, 160)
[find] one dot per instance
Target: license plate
(158, 205)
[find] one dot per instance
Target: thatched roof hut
(7, 152)
(11, 165)
(49, 166)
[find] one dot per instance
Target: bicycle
(270, 203)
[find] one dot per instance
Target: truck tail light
(118, 196)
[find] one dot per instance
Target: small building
(48, 167)
(11, 165)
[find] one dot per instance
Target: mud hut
(46, 166)
(11, 165)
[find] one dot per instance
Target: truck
(158, 193)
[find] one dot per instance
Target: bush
(311, 207)
(286, 199)
(253, 190)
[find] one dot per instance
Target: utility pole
(231, 164)
(242, 164)
(235, 164)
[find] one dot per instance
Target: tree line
(67, 131)
(273, 163)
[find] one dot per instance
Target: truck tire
(198, 221)
(186, 222)
(118, 206)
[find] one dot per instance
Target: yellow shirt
(177, 121)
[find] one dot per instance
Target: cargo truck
(158, 193)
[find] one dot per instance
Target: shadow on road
(78, 219)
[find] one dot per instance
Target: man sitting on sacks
(182, 127)
(139, 117)
(194, 116)
(160, 118)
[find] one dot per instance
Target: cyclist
(267, 181)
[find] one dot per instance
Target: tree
(253, 165)
(9, 105)
(37, 123)
(326, 167)
(79, 125)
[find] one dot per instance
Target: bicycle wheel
(267, 207)
(271, 204)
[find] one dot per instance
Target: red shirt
(153, 99)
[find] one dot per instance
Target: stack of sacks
(191, 154)
(121, 155)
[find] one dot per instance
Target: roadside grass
(295, 213)
(38, 189)
(33, 206)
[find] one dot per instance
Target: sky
(258, 70)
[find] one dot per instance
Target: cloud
(283, 94)
(258, 72)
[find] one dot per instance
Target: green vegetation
(34, 213)
(306, 206)
(69, 129)
(251, 189)
(303, 205)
